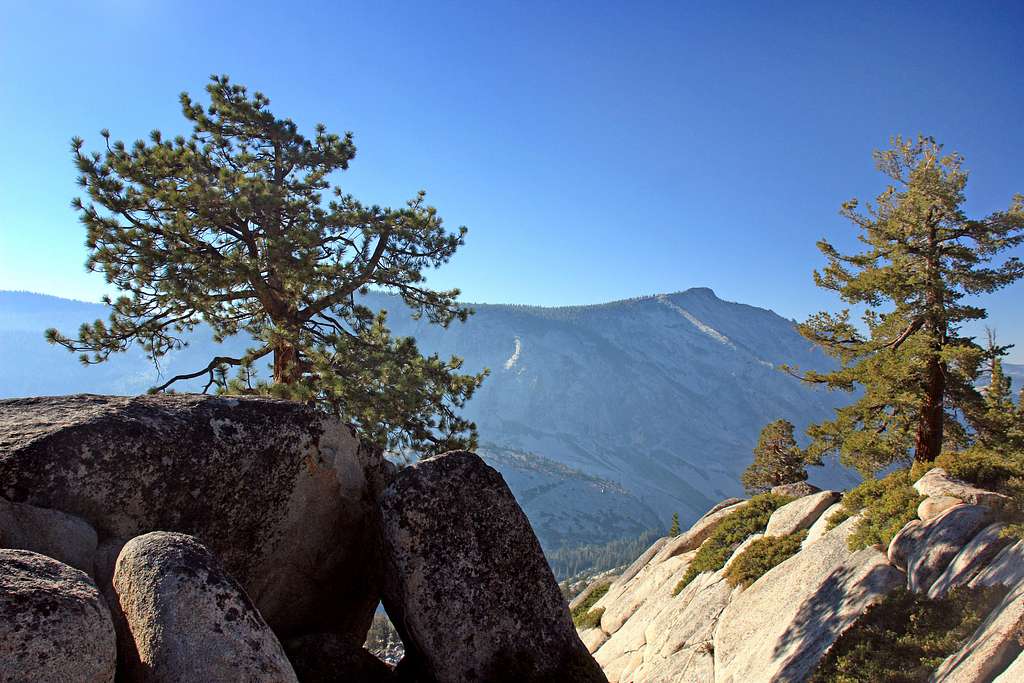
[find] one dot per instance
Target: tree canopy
(777, 459)
(923, 265)
(239, 227)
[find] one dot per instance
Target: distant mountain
(604, 419)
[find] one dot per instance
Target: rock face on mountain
(781, 626)
(54, 626)
(285, 516)
(284, 497)
(473, 600)
(188, 620)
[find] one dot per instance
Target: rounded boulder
(188, 620)
(54, 626)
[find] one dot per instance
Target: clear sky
(595, 151)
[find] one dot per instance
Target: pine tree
(229, 227)
(777, 459)
(924, 261)
(998, 423)
(674, 529)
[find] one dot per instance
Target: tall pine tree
(230, 227)
(923, 263)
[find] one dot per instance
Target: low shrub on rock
(885, 506)
(761, 555)
(582, 615)
(748, 519)
(591, 619)
(982, 467)
(903, 638)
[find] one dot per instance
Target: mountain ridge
(659, 396)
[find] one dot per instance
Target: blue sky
(595, 151)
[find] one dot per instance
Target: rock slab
(466, 582)
(699, 532)
(800, 514)
(944, 537)
(189, 620)
(54, 626)
(971, 560)
(780, 627)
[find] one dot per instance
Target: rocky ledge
(780, 626)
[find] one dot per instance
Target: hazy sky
(595, 151)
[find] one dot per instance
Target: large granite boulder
(937, 482)
(188, 619)
(800, 514)
(593, 638)
(779, 628)
(466, 582)
(63, 537)
(971, 560)
(54, 626)
(944, 537)
(283, 495)
(933, 506)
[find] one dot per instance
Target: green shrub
(592, 619)
(885, 506)
(981, 467)
(903, 638)
(762, 555)
(582, 614)
(749, 519)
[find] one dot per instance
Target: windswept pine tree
(777, 459)
(229, 227)
(923, 264)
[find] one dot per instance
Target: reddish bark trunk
(928, 443)
(286, 365)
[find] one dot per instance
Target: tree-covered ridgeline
(239, 226)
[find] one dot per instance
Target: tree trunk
(928, 443)
(286, 364)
